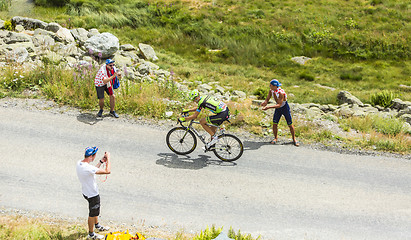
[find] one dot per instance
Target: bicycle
(182, 140)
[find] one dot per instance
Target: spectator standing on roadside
(104, 83)
(281, 108)
(87, 175)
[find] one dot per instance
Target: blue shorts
(284, 110)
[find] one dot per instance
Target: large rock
(14, 37)
(300, 60)
(346, 97)
(103, 45)
(398, 104)
(65, 34)
(147, 68)
(28, 23)
(53, 27)
(80, 34)
(148, 52)
(43, 41)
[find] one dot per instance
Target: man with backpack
(106, 80)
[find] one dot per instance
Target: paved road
(278, 192)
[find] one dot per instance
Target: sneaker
(213, 141)
(114, 114)
(100, 113)
(95, 236)
(101, 228)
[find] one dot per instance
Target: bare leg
(292, 131)
(91, 222)
(275, 131)
(210, 129)
(112, 102)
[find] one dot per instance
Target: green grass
(20, 227)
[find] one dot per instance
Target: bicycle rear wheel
(181, 141)
(228, 148)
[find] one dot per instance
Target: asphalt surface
(276, 191)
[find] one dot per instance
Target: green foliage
(57, 3)
(306, 76)
(368, 124)
(8, 25)
(353, 74)
(213, 232)
(261, 92)
(383, 99)
(4, 5)
(387, 126)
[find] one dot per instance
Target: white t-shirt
(87, 175)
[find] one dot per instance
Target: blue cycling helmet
(193, 94)
(90, 151)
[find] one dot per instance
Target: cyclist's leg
(210, 129)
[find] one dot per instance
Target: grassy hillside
(359, 46)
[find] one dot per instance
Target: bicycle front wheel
(181, 140)
(228, 148)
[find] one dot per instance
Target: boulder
(127, 47)
(148, 52)
(53, 27)
(346, 97)
(65, 35)
(80, 34)
(103, 45)
(28, 23)
(300, 60)
(14, 37)
(239, 94)
(92, 32)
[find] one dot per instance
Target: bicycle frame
(220, 130)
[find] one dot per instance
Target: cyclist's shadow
(248, 145)
(172, 160)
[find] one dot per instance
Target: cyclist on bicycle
(214, 105)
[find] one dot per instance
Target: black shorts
(102, 89)
(219, 118)
(93, 205)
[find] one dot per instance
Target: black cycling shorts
(93, 205)
(102, 89)
(219, 118)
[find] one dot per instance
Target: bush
(384, 99)
(8, 26)
(307, 76)
(261, 93)
(47, 3)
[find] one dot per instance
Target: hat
(108, 61)
(90, 151)
(275, 82)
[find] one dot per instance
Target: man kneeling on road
(86, 174)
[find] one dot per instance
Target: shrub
(307, 76)
(384, 99)
(261, 93)
(56, 3)
(8, 25)
(387, 126)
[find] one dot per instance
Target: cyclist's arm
(194, 116)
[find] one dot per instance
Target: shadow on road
(88, 118)
(172, 160)
(248, 145)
